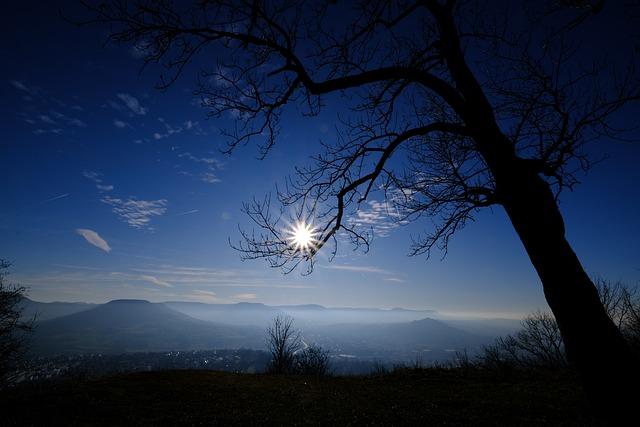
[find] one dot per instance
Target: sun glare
(302, 236)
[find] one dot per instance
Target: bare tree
(537, 344)
(455, 107)
(13, 329)
(313, 360)
(631, 326)
(283, 342)
(622, 303)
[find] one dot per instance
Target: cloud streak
(192, 211)
(178, 275)
(96, 177)
(136, 213)
(147, 278)
(359, 269)
(93, 238)
(244, 296)
(132, 103)
(154, 280)
(212, 165)
(381, 217)
(61, 196)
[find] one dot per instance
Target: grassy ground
(419, 398)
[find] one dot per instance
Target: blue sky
(113, 189)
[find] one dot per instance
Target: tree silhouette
(313, 361)
(283, 341)
(13, 329)
(539, 344)
(455, 106)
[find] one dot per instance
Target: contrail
(188, 212)
(61, 196)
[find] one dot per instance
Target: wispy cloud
(96, 177)
(209, 178)
(168, 130)
(143, 278)
(206, 160)
(141, 49)
(120, 124)
(212, 165)
(192, 211)
(54, 118)
(73, 121)
(55, 131)
(61, 196)
(358, 269)
(93, 176)
(381, 217)
(136, 213)
(46, 119)
(132, 104)
(104, 187)
(387, 276)
(201, 295)
(30, 91)
(44, 111)
(155, 281)
(94, 239)
(159, 282)
(19, 85)
(215, 277)
(244, 296)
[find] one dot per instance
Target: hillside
(122, 326)
(258, 314)
(430, 338)
(429, 397)
(42, 311)
(135, 325)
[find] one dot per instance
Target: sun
(302, 236)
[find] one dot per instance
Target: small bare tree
(313, 360)
(537, 344)
(13, 329)
(283, 342)
(622, 303)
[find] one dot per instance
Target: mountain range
(135, 325)
(122, 326)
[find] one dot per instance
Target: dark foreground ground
(418, 398)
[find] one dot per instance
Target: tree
(539, 342)
(313, 360)
(283, 342)
(622, 304)
(454, 107)
(13, 329)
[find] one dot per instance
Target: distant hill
(50, 310)
(136, 325)
(399, 340)
(257, 314)
(243, 314)
(487, 327)
(122, 326)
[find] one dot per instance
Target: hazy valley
(132, 335)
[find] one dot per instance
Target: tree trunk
(594, 345)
